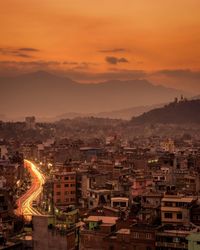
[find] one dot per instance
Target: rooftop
(124, 231)
(178, 199)
(104, 219)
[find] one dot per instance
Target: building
(48, 235)
(168, 146)
(119, 202)
(12, 172)
(95, 230)
(64, 186)
(194, 241)
(176, 209)
(171, 239)
(98, 197)
(30, 122)
(137, 237)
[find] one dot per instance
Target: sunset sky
(121, 37)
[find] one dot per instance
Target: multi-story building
(95, 230)
(136, 237)
(176, 209)
(98, 197)
(30, 122)
(194, 241)
(172, 239)
(64, 187)
(47, 234)
(12, 172)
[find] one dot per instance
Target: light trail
(24, 203)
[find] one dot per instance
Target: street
(24, 203)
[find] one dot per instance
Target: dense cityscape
(99, 125)
(100, 191)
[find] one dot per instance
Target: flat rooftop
(104, 219)
(124, 231)
(179, 199)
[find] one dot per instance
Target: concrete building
(64, 187)
(176, 209)
(171, 239)
(168, 146)
(119, 202)
(47, 235)
(141, 237)
(98, 197)
(194, 241)
(95, 230)
(30, 122)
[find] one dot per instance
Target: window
(72, 177)
(176, 239)
(66, 178)
(179, 216)
(136, 235)
(72, 192)
(67, 199)
(58, 200)
(66, 192)
(181, 204)
(168, 204)
(168, 215)
(66, 185)
(72, 199)
(72, 185)
(58, 186)
(57, 193)
(148, 236)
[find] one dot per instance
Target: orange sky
(94, 35)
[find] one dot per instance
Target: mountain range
(47, 95)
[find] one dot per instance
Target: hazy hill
(183, 112)
(46, 95)
(127, 114)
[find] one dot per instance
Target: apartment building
(64, 187)
(176, 209)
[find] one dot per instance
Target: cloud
(70, 63)
(116, 50)
(112, 74)
(29, 49)
(115, 60)
(180, 73)
(77, 71)
(22, 55)
(20, 67)
(184, 79)
(18, 52)
(79, 65)
(123, 60)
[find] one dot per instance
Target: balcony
(171, 245)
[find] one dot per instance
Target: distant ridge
(180, 112)
(47, 95)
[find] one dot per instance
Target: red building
(64, 187)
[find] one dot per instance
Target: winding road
(24, 203)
